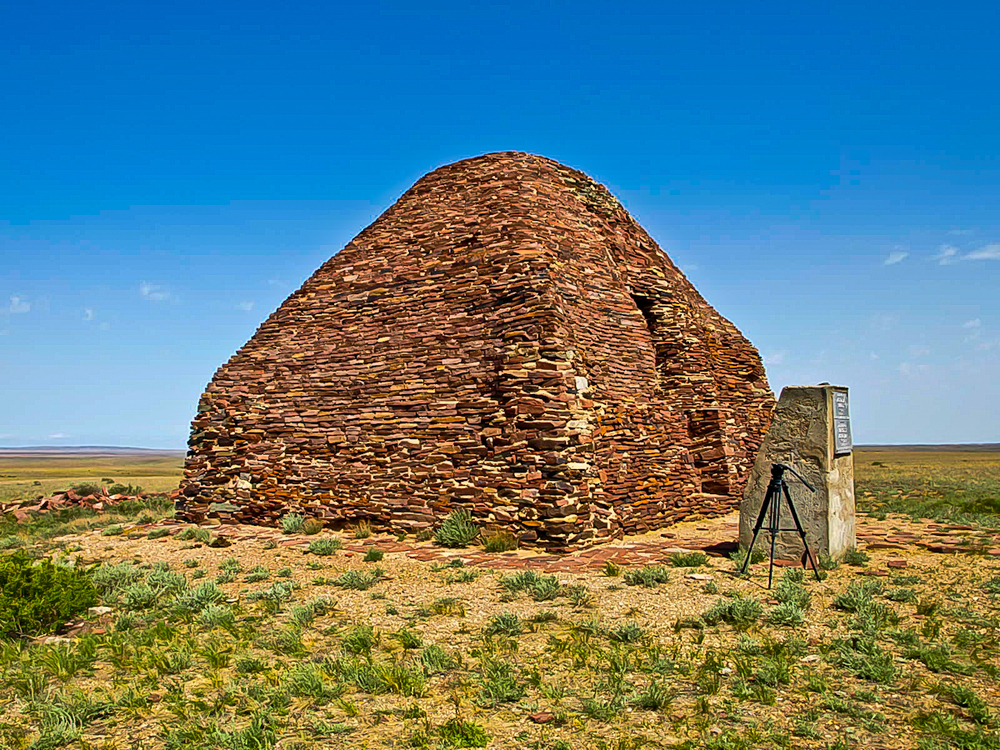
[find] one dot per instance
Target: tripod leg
(775, 527)
(764, 506)
(802, 533)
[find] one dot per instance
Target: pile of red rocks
(24, 510)
(506, 339)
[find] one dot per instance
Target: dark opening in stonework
(645, 305)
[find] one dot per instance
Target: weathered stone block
(802, 435)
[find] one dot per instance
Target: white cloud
(987, 346)
(18, 305)
(975, 323)
(946, 255)
(245, 306)
(905, 368)
(989, 252)
(6, 436)
(919, 351)
(58, 436)
(895, 257)
(961, 232)
(153, 292)
(88, 313)
(873, 356)
(275, 282)
(775, 358)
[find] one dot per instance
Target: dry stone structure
(504, 338)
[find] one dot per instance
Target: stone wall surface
(504, 338)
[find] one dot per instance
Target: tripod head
(778, 470)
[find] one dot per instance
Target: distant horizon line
(141, 449)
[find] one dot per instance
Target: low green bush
(455, 732)
(456, 530)
(688, 559)
(292, 523)
(855, 557)
(741, 612)
(37, 596)
(358, 580)
(11, 542)
(648, 576)
(787, 613)
(500, 541)
(124, 489)
(505, 623)
(324, 547)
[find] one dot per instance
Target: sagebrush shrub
(139, 596)
(457, 529)
(790, 592)
(194, 601)
(500, 541)
(37, 596)
(358, 580)
(505, 623)
(786, 613)
(629, 632)
(292, 523)
(217, 616)
(865, 659)
(324, 547)
(124, 489)
(435, 659)
(855, 557)
(688, 559)
(648, 576)
(741, 612)
(113, 578)
(167, 582)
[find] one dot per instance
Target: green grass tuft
(457, 530)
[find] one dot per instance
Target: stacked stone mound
(505, 338)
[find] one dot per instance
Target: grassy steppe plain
(30, 474)
(264, 646)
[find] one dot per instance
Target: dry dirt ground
(288, 643)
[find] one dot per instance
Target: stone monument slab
(811, 432)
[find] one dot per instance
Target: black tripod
(771, 507)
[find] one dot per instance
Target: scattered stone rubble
(504, 338)
(24, 510)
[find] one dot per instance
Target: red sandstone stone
(505, 338)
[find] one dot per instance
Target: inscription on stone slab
(842, 444)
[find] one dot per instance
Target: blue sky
(829, 178)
